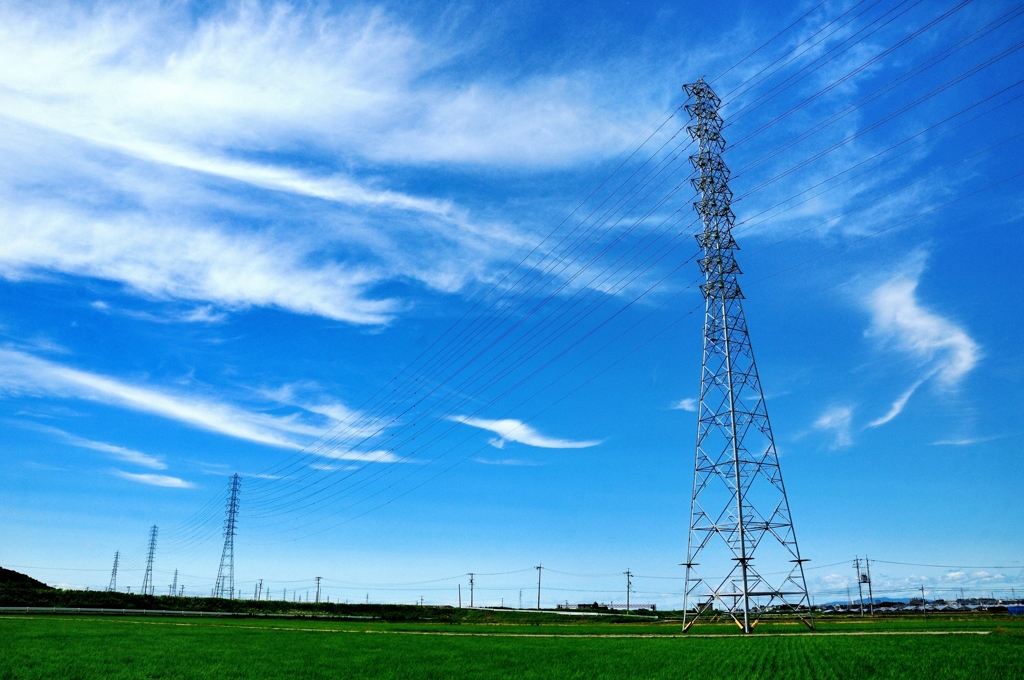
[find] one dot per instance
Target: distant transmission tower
(113, 572)
(147, 580)
(173, 588)
(225, 585)
(739, 510)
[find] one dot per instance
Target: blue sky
(228, 227)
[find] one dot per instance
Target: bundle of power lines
(616, 272)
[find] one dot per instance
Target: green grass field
(66, 646)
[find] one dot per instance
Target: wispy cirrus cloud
(195, 314)
(164, 260)
(688, 404)
(898, 317)
(148, 75)
(837, 420)
(940, 347)
(514, 462)
(159, 110)
(509, 430)
(120, 452)
(154, 480)
(25, 374)
(897, 406)
(964, 441)
(364, 456)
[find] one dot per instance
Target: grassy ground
(48, 646)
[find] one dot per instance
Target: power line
(483, 375)
(878, 92)
(891, 227)
(768, 42)
(920, 68)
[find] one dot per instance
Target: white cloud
(125, 126)
(22, 373)
(966, 441)
(200, 264)
(202, 314)
(199, 314)
(127, 455)
(974, 577)
(307, 396)
(155, 480)
(515, 462)
(517, 431)
(688, 404)
(837, 419)
(363, 456)
(937, 342)
(148, 76)
(940, 347)
(119, 452)
(897, 406)
(336, 188)
(323, 467)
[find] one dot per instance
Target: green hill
(15, 579)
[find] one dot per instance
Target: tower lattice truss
(742, 559)
(225, 583)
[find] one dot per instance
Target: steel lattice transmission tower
(147, 580)
(741, 531)
(225, 585)
(113, 572)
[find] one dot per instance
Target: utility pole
(181, 591)
(147, 580)
(629, 586)
(737, 481)
(520, 598)
(924, 603)
(460, 596)
(540, 570)
(860, 589)
(113, 573)
(871, 594)
(471, 575)
(174, 585)
(225, 583)
(318, 588)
